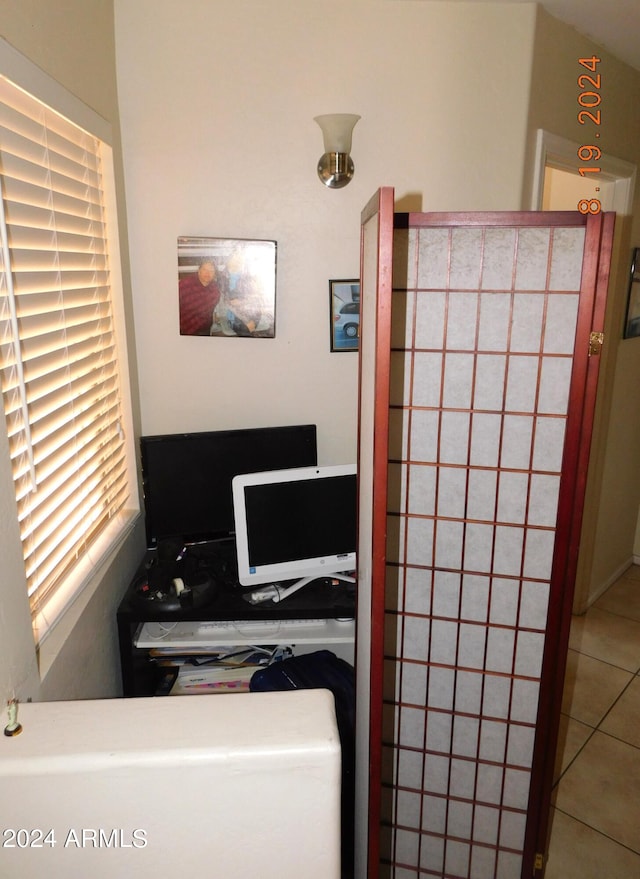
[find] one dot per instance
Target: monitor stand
(275, 592)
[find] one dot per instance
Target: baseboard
(602, 588)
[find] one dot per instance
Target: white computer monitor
(297, 524)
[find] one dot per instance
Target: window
(61, 381)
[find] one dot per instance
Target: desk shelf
(139, 624)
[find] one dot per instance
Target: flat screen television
(297, 523)
(187, 476)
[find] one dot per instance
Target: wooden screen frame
(372, 501)
(596, 266)
(596, 269)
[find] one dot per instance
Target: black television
(187, 477)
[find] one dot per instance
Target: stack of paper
(212, 679)
(214, 670)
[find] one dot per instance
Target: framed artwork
(632, 325)
(227, 287)
(344, 314)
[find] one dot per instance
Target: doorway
(563, 189)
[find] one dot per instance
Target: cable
(164, 629)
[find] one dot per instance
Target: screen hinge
(538, 862)
(596, 341)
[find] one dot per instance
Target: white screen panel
(485, 380)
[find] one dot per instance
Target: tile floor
(595, 831)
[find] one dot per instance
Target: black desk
(140, 677)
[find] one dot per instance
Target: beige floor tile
(607, 636)
(601, 788)
(591, 687)
(623, 598)
(578, 852)
(623, 721)
(572, 736)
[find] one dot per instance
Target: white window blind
(58, 356)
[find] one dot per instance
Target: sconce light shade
(335, 167)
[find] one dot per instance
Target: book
(213, 679)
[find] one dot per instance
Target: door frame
(558, 152)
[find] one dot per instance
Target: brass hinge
(538, 863)
(596, 341)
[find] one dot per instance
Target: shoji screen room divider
(480, 336)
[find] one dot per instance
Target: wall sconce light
(335, 167)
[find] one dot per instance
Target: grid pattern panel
(483, 339)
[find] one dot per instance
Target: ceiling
(613, 24)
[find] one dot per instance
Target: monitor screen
(187, 476)
(295, 523)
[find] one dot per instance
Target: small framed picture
(227, 287)
(632, 325)
(344, 312)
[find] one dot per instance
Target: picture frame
(227, 287)
(632, 323)
(344, 314)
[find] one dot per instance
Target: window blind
(58, 356)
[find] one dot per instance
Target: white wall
(217, 103)
(613, 485)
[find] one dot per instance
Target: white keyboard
(214, 632)
(257, 625)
